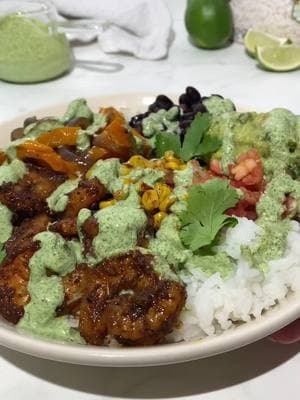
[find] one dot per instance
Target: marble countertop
(263, 370)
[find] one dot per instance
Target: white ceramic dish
(271, 321)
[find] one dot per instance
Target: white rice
(270, 16)
(215, 304)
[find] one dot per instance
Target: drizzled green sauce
(46, 292)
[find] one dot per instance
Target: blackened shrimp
(28, 196)
(22, 237)
(14, 295)
(123, 297)
(87, 195)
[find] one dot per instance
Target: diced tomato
(247, 175)
(215, 167)
(248, 171)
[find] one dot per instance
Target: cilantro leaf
(209, 145)
(196, 142)
(194, 135)
(166, 141)
(204, 216)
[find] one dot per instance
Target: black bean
(29, 121)
(136, 122)
(17, 133)
(199, 107)
(82, 122)
(193, 94)
(164, 102)
(185, 123)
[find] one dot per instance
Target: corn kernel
(172, 165)
(108, 203)
(150, 200)
(182, 167)
(162, 190)
(124, 170)
(165, 204)
(128, 181)
(139, 162)
(169, 156)
(159, 164)
(89, 173)
(120, 195)
(158, 218)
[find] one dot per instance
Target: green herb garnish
(204, 216)
(196, 142)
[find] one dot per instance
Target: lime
(209, 22)
(279, 58)
(255, 39)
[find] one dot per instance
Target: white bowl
(272, 320)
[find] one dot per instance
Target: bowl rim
(282, 314)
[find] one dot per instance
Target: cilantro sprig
(196, 142)
(204, 216)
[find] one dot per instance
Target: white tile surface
(260, 371)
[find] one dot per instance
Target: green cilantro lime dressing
(148, 176)
(212, 264)
(280, 131)
(13, 172)
(84, 135)
(30, 51)
(183, 180)
(76, 109)
(5, 224)
(228, 148)
(108, 172)
(270, 209)
(216, 105)
(46, 292)
(79, 109)
(119, 227)
(58, 200)
(167, 243)
(161, 121)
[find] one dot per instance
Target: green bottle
(209, 23)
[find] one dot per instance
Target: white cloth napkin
(139, 27)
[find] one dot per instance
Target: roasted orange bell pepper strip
(112, 114)
(2, 157)
(41, 152)
(115, 138)
(66, 136)
(97, 153)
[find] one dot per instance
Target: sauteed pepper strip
(41, 152)
(66, 136)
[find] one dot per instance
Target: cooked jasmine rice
(215, 304)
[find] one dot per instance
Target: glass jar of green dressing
(31, 48)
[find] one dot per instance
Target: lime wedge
(255, 39)
(280, 58)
